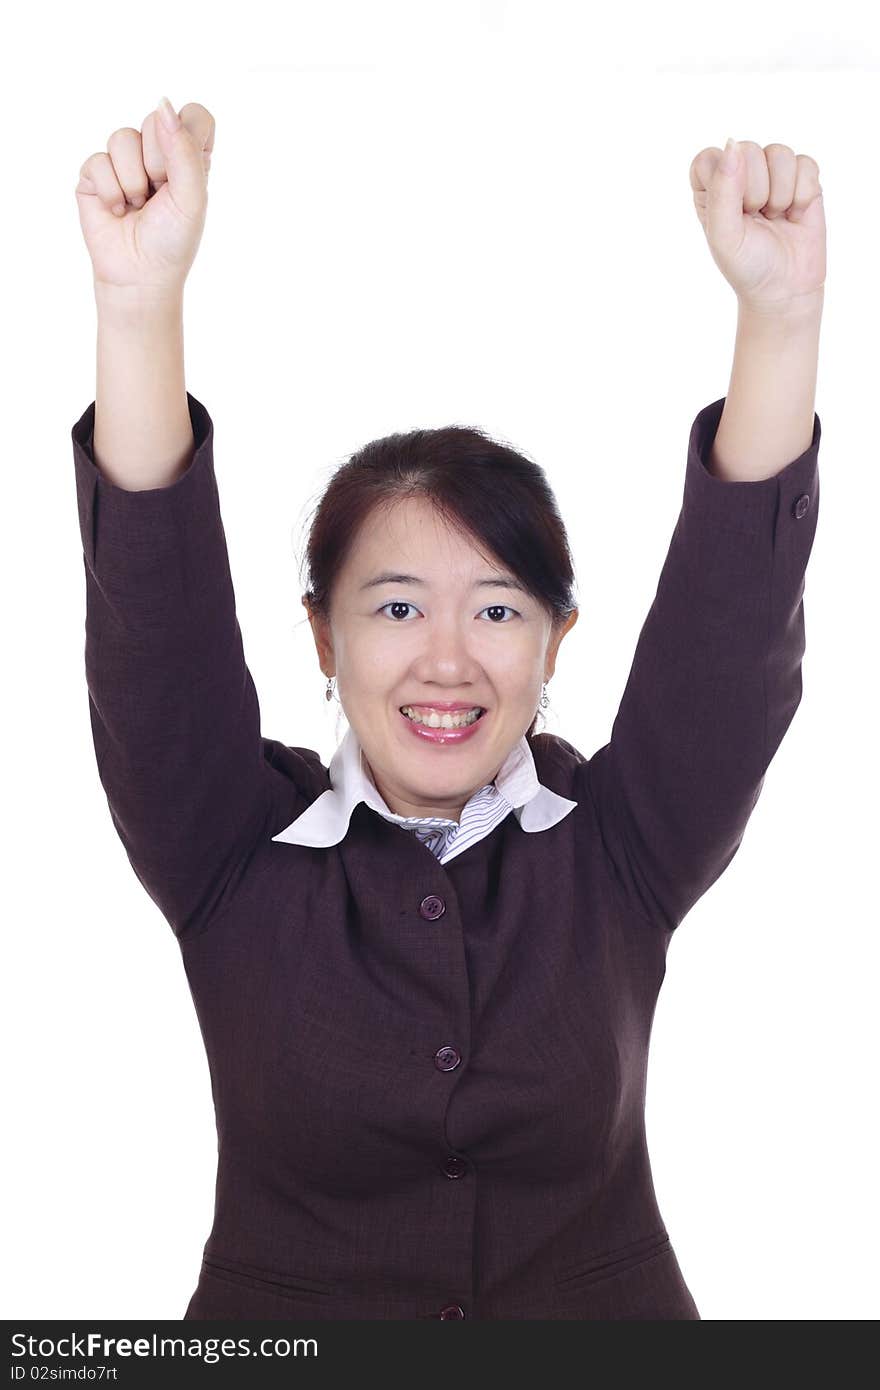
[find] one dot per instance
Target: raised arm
(174, 713)
(716, 677)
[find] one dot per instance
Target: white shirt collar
(325, 822)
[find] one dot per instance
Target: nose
(446, 660)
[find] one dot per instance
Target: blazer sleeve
(174, 714)
(714, 683)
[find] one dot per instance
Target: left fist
(765, 223)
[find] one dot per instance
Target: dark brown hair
(496, 496)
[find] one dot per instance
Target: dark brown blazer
(429, 1080)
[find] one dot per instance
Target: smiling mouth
(435, 718)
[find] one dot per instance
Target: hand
(765, 224)
(153, 247)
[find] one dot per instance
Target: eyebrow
(504, 581)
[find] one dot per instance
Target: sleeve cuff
(141, 529)
(748, 506)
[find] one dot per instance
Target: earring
(328, 693)
(545, 698)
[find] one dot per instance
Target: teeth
(434, 720)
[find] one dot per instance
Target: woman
(426, 975)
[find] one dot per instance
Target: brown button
(452, 1310)
(432, 907)
(802, 505)
(446, 1058)
(455, 1167)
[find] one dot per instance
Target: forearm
(767, 420)
(143, 433)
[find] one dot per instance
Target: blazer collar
(325, 822)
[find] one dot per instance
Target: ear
(323, 640)
(555, 640)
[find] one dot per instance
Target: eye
(493, 607)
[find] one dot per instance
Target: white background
(422, 215)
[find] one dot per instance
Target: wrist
(802, 311)
(138, 305)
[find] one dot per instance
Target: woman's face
(452, 632)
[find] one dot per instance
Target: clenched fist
(142, 204)
(764, 220)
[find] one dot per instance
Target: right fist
(160, 179)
